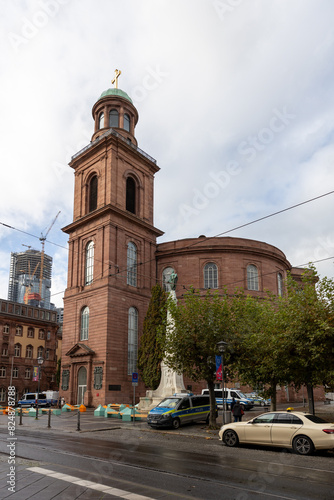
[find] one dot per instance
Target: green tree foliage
(255, 344)
(307, 319)
(198, 324)
(151, 348)
(282, 340)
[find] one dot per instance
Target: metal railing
(119, 136)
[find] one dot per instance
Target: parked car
(246, 403)
(179, 409)
(257, 400)
(30, 399)
(302, 432)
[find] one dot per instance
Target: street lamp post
(221, 349)
(40, 361)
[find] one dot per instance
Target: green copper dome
(115, 92)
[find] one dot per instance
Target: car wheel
(303, 445)
(262, 403)
(230, 438)
(176, 423)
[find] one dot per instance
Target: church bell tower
(111, 266)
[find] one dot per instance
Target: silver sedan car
(302, 432)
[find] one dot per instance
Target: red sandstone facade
(114, 260)
(26, 333)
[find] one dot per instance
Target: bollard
(78, 426)
(49, 418)
(20, 416)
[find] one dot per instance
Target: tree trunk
(212, 421)
(310, 398)
(273, 398)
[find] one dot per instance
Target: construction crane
(42, 240)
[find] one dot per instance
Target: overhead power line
(120, 271)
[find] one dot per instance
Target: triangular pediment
(80, 349)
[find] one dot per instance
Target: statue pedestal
(170, 383)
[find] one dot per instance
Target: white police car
(179, 409)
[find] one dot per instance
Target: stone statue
(173, 280)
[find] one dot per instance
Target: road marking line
(89, 484)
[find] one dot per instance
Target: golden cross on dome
(114, 80)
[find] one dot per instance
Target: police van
(247, 404)
(179, 409)
(30, 399)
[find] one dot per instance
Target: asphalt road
(190, 463)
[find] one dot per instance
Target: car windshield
(241, 394)
(169, 403)
(315, 419)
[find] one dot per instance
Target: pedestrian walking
(237, 412)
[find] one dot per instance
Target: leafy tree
(151, 351)
(309, 328)
(198, 324)
(255, 344)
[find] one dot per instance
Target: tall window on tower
(89, 263)
(126, 122)
(252, 277)
(131, 195)
(132, 340)
(101, 120)
(84, 324)
(113, 118)
(210, 275)
(93, 194)
(132, 264)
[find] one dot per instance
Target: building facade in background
(114, 260)
(27, 333)
(30, 278)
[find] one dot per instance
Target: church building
(115, 260)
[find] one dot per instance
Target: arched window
(280, 284)
(89, 263)
(210, 275)
(92, 194)
(101, 120)
(84, 325)
(132, 264)
(6, 328)
(3, 371)
(4, 350)
(41, 334)
(165, 279)
(17, 350)
(40, 352)
(113, 118)
(132, 340)
(19, 331)
(29, 351)
(131, 195)
(252, 277)
(126, 122)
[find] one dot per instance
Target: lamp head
(221, 345)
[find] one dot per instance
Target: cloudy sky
(235, 102)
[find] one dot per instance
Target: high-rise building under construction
(30, 278)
